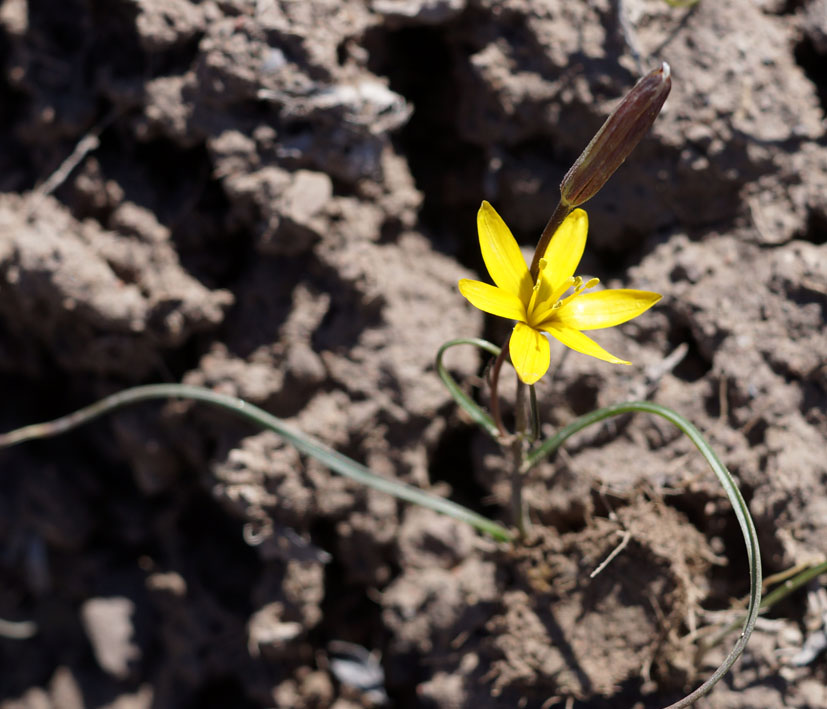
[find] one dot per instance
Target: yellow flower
(540, 307)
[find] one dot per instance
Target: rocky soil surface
(275, 199)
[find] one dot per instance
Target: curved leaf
(470, 406)
(739, 506)
(304, 443)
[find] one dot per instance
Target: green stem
(517, 457)
(535, 413)
(733, 493)
(494, 384)
(304, 443)
(557, 218)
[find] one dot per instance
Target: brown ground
(279, 204)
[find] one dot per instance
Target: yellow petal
(492, 300)
(542, 291)
(501, 254)
(565, 249)
(529, 351)
(544, 297)
(579, 342)
(607, 308)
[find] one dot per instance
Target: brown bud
(616, 138)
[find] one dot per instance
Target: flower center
(546, 298)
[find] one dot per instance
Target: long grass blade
(304, 443)
(739, 506)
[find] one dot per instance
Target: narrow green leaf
(776, 595)
(304, 443)
(793, 584)
(739, 506)
(470, 406)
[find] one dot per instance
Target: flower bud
(616, 138)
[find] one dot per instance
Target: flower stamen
(591, 283)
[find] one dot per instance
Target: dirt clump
(275, 199)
